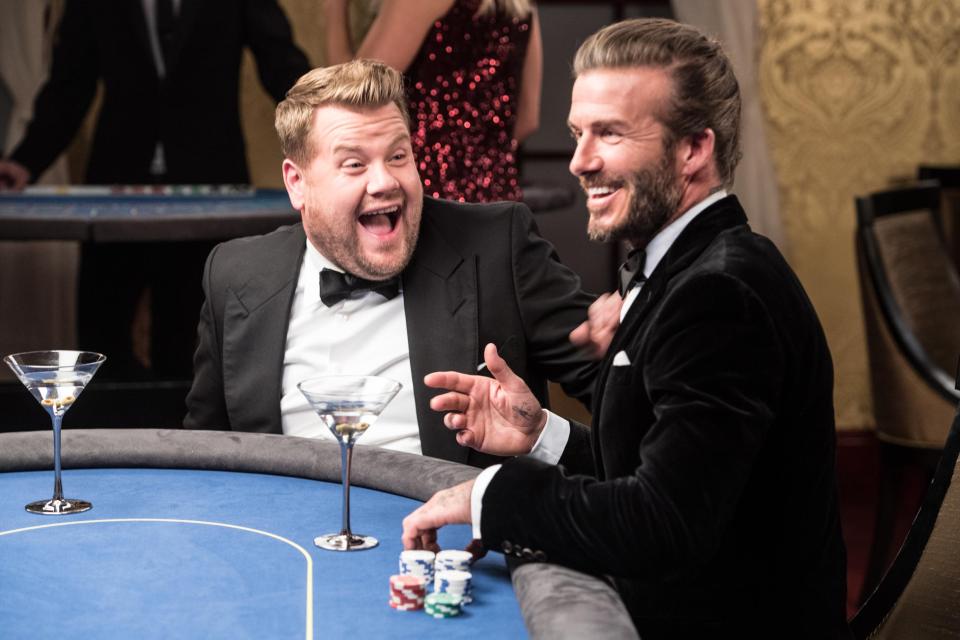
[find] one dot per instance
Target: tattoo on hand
(524, 412)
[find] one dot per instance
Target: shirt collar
(661, 243)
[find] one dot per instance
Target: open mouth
(599, 195)
(380, 222)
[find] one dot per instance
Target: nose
(382, 180)
(585, 159)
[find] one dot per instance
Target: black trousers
(113, 278)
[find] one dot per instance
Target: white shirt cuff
(552, 441)
(476, 496)
(548, 448)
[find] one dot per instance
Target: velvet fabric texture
(711, 494)
(479, 274)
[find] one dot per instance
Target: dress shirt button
(527, 553)
(507, 547)
(539, 556)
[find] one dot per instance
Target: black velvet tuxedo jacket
(194, 111)
(479, 274)
(706, 487)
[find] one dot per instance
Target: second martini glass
(348, 405)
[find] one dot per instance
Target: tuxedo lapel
(688, 246)
(256, 315)
(440, 302)
(185, 22)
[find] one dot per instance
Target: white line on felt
(309, 623)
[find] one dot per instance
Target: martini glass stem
(57, 487)
(346, 458)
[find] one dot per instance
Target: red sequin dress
(463, 90)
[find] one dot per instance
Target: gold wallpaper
(857, 94)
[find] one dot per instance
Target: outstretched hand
(498, 415)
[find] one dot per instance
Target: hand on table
(596, 332)
(450, 506)
(13, 176)
(498, 415)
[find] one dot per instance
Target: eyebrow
(356, 149)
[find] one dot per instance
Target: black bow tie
(336, 286)
(631, 271)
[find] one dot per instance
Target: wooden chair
(911, 305)
(918, 597)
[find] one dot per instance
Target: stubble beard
(341, 245)
(655, 197)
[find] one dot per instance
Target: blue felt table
(168, 553)
(134, 218)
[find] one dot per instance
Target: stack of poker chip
(417, 563)
(453, 560)
(407, 593)
(456, 583)
(443, 605)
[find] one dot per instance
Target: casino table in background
(209, 535)
(95, 214)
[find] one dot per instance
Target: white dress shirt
(553, 439)
(362, 335)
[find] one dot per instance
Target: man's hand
(450, 506)
(13, 176)
(603, 318)
(496, 415)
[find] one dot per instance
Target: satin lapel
(255, 321)
(185, 22)
(688, 246)
(440, 300)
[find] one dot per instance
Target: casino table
(170, 213)
(199, 534)
(97, 214)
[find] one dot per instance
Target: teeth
(385, 210)
(595, 192)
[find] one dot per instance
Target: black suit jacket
(194, 111)
(707, 486)
(479, 274)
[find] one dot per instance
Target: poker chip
(417, 563)
(443, 605)
(407, 592)
(453, 560)
(456, 583)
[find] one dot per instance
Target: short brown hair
(705, 89)
(359, 84)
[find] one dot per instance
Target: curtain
(734, 24)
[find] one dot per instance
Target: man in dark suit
(706, 488)
(170, 114)
(432, 281)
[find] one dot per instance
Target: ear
(293, 181)
(695, 153)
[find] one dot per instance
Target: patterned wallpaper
(857, 94)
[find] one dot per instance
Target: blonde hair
(704, 87)
(513, 8)
(358, 84)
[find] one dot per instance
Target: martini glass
(348, 405)
(55, 379)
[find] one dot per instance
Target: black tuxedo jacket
(479, 274)
(706, 488)
(194, 111)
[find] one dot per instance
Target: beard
(340, 243)
(655, 196)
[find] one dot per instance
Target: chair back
(911, 305)
(919, 597)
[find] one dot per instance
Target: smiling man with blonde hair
(377, 279)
